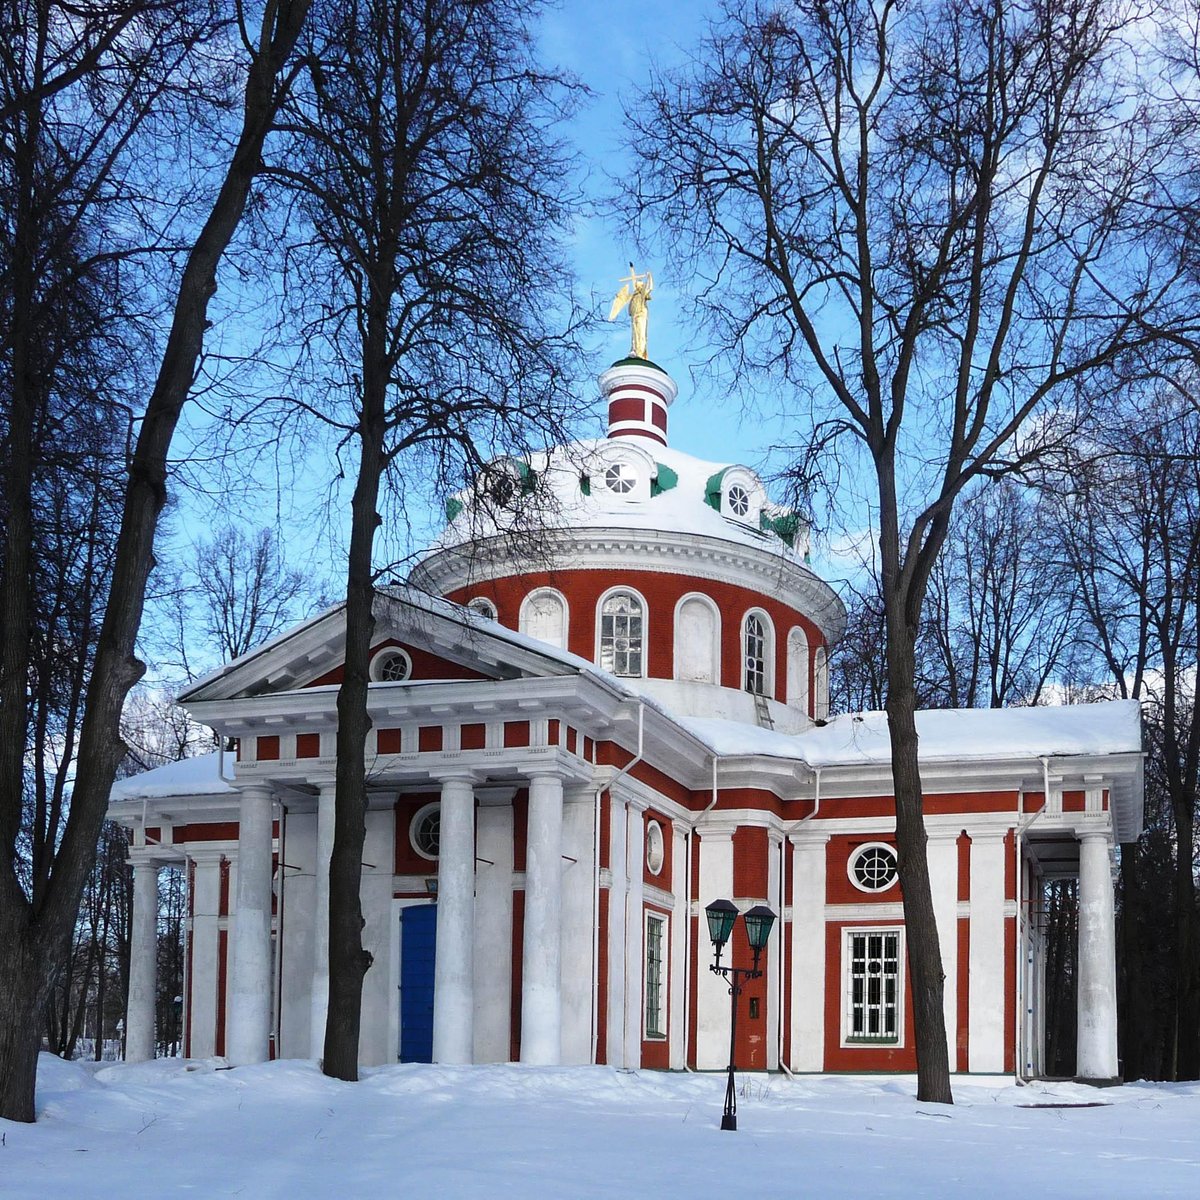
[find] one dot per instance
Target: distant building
(573, 754)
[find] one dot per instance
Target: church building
(575, 749)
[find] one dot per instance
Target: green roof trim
(529, 478)
(638, 362)
(453, 508)
(664, 481)
(786, 526)
(712, 489)
(585, 484)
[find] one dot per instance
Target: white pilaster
(326, 797)
(494, 926)
(635, 931)
(808, 951)
(680, 929)
(143, 956)
(541, 985)
(453, 975)
(614, 1036)
(986, 961)
(712, 993)
(1096, 1044)
(579, 862)
(943, 879)
(249, 1035)
(206, 902)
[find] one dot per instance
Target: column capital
(809, 839)
(260, 789)
(458, 775)
(1089, 833)
(490, 797)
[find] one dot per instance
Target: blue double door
(418, 936)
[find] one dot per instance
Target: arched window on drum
(622, 634)
(758, 645)
(797, 669)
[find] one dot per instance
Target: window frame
(858, 852)
(768, 653)
(644, 638)
(484, 607)
(656, 972)
(714, 611)
(382, 657)
(859, 1041)
(414, 824)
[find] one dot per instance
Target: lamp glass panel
(721, 915)
(759, 921)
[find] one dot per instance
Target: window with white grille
(873, 986)
(756, 644)
(656, 1009)
(621, 630)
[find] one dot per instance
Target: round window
(425, 831)
(620, 478)
(739, 500)
(873, 867)
(391, 666)
(655, 849)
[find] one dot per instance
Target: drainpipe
(782, 883)
(687, 915)
(633, 762)
(1018, 843)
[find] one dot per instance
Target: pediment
(442, 641)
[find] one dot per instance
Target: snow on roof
(189, 777)
(677, 504)
(856, 739)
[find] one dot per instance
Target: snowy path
(282, 1129)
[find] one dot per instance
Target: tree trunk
(116, 668)
(1187, 975)
(348, 961)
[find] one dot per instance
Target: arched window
(544, 616)
(821, 685)
(483, 606)
(797, 669)
(697, 640)
(622, 629)
(756, 654)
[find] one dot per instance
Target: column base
(1113, 1081)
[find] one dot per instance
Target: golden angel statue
(635, 292)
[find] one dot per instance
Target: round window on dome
(391, 666)
(655, 848)
(739, 500)
(425, 831)
(620, 478)
(873, 867)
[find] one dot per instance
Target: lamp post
(722, 915)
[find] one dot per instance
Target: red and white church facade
(572, 753)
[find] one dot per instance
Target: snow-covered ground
(430, 1133)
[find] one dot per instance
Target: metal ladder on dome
(762, 712)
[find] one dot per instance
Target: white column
(579, 863)
(206, 903)
(774, 953)
(326, 797)
(712, 993)
(249, 1033)
(943, 877)
(985, 1021)
(635, 931)
(808, 951)
(143, 956)
(494, 926)
(541, 988)
(680, 931)
(453, 972)
(1096, 1045)
(614, 1035)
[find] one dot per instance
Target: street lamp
(722, 915)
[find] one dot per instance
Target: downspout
(687, 916)
(787, 837)
(1018, 844)
(633, 762)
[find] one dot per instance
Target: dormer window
(620, 478)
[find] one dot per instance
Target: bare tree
(74, 136)
(924, 218)
(434, 194)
